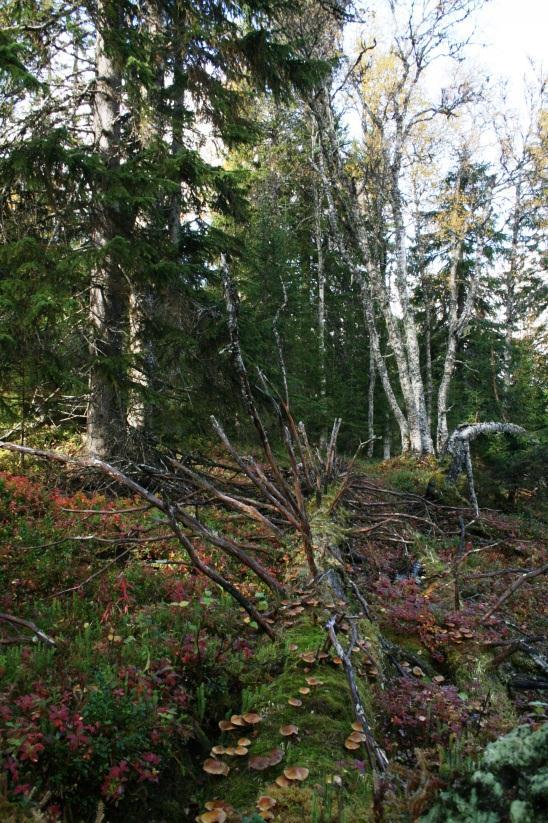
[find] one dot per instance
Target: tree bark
(108, 298)
(371, 403)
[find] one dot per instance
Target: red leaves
(424, 711)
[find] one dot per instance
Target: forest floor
(118, 718)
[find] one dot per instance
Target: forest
(273, 415)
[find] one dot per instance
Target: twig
(27, 624)
(514, 587)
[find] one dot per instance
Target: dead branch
(513, 589)
(172, 513)
(249, 510)
(96, 574)
(377, 757)
(27, 624)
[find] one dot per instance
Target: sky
(509, 31)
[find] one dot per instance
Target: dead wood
(377, 757)
(27, 624)
(173, 515)
(513, 588)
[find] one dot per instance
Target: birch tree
(391, 99)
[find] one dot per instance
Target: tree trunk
(419, 432)
(371, 404)
(386, 437)
(108, 297)
(321, 291)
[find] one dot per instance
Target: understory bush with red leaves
(419, 713)
(104, 741)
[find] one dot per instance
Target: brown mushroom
(264, 761)
(265, 803)
(214, 816)
(296, 773)
(289, 730)
(294, 701)
(212, 766)
(251, 718)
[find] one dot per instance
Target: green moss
(324, 722)
(473, 665)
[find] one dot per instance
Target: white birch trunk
(371, 403)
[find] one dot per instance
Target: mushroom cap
(226, 725)
(218, 750)
(244, 741)
(282, 782)
(357, 727)
(271, 758)
(357, 737)
(241, 751)
(304, 690)
(212, 766)
(237, 720)
(313, 681)
(215, 816)
(265, 802)
(251, 718)
(351, 745)
(296, 773)
(218, 804)
(294, 701)
(289, 729)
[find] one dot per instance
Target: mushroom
(357, 737)
(282, 782)
(212, 766)
(296, 773)
(244, 741)
(294, 701)
(226, 725)
(265, 803)
(271, 758)
(351, 744)
(214, 816)
(289, 730)
(251, 718)
(304, 690)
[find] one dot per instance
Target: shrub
(511, 783)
